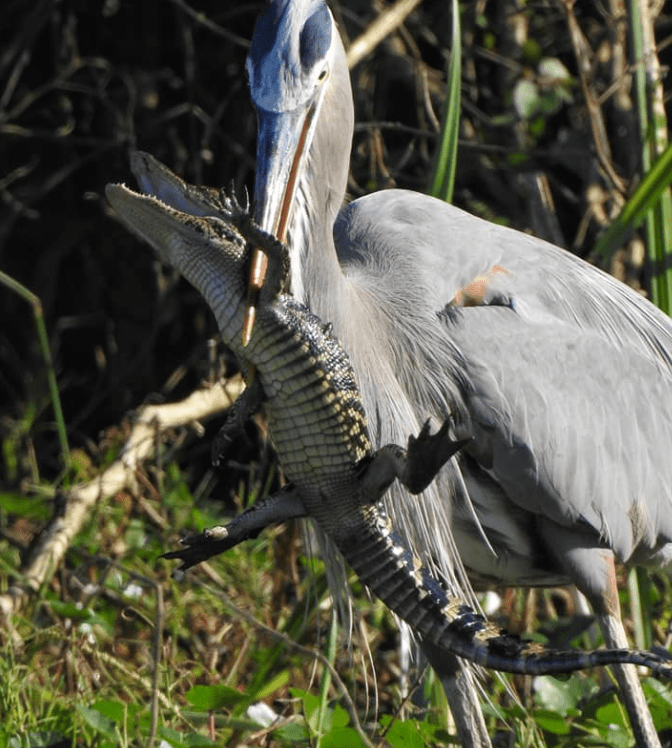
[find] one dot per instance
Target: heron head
(300, 86)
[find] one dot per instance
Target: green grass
(103, 659)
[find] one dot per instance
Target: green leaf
(171, 736)
(114, 710)
(34, 507)
(341, 718)
(562, 696)
(272, 685)
(118, 711)
(194, 740)
(295, 732)
(79, 615)
(403, 734)
(341, 737)
(70, 610)
(551, 722)
(213, 698)
(99, 722)
(611, 714)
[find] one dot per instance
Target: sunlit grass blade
(332, 641)
(443, 179)
(654, 188)
(654, 140)
(652, 201)
(38, 315)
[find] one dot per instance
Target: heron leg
(608, 610)
(592, 568)
(628, 681)
(460, 689)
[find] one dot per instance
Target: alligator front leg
(239, 413)
(280, 507)
(416, 466)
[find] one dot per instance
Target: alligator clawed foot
(220, 446)
(205, 545)
(427, 454)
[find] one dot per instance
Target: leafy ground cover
(109, 649)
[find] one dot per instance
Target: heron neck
(321, 191)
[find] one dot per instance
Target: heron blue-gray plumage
(562, 375)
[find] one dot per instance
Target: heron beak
(283, 142)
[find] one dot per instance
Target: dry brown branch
(150, 422)
(584, 59)
(383, 26)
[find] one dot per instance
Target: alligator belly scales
(302, 375)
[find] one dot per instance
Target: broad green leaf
(195, 740)
(212, 698)
(296, 732)
(561, 696)
(403, 734)
(551, 722)
(99, 722)
(341, 737)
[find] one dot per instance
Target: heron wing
(413, 243)
(565, 378)
(571, 426)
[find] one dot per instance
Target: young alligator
(318, 426)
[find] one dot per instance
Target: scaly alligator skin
(318, 426)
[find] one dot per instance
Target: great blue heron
(561, 374)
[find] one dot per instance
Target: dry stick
(382, 27)
(583, 54)
(200, 405)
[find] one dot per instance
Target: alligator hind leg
(281, 506)
(416, 466)
(426, 454)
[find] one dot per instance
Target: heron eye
(315, 38)
(322, 75)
